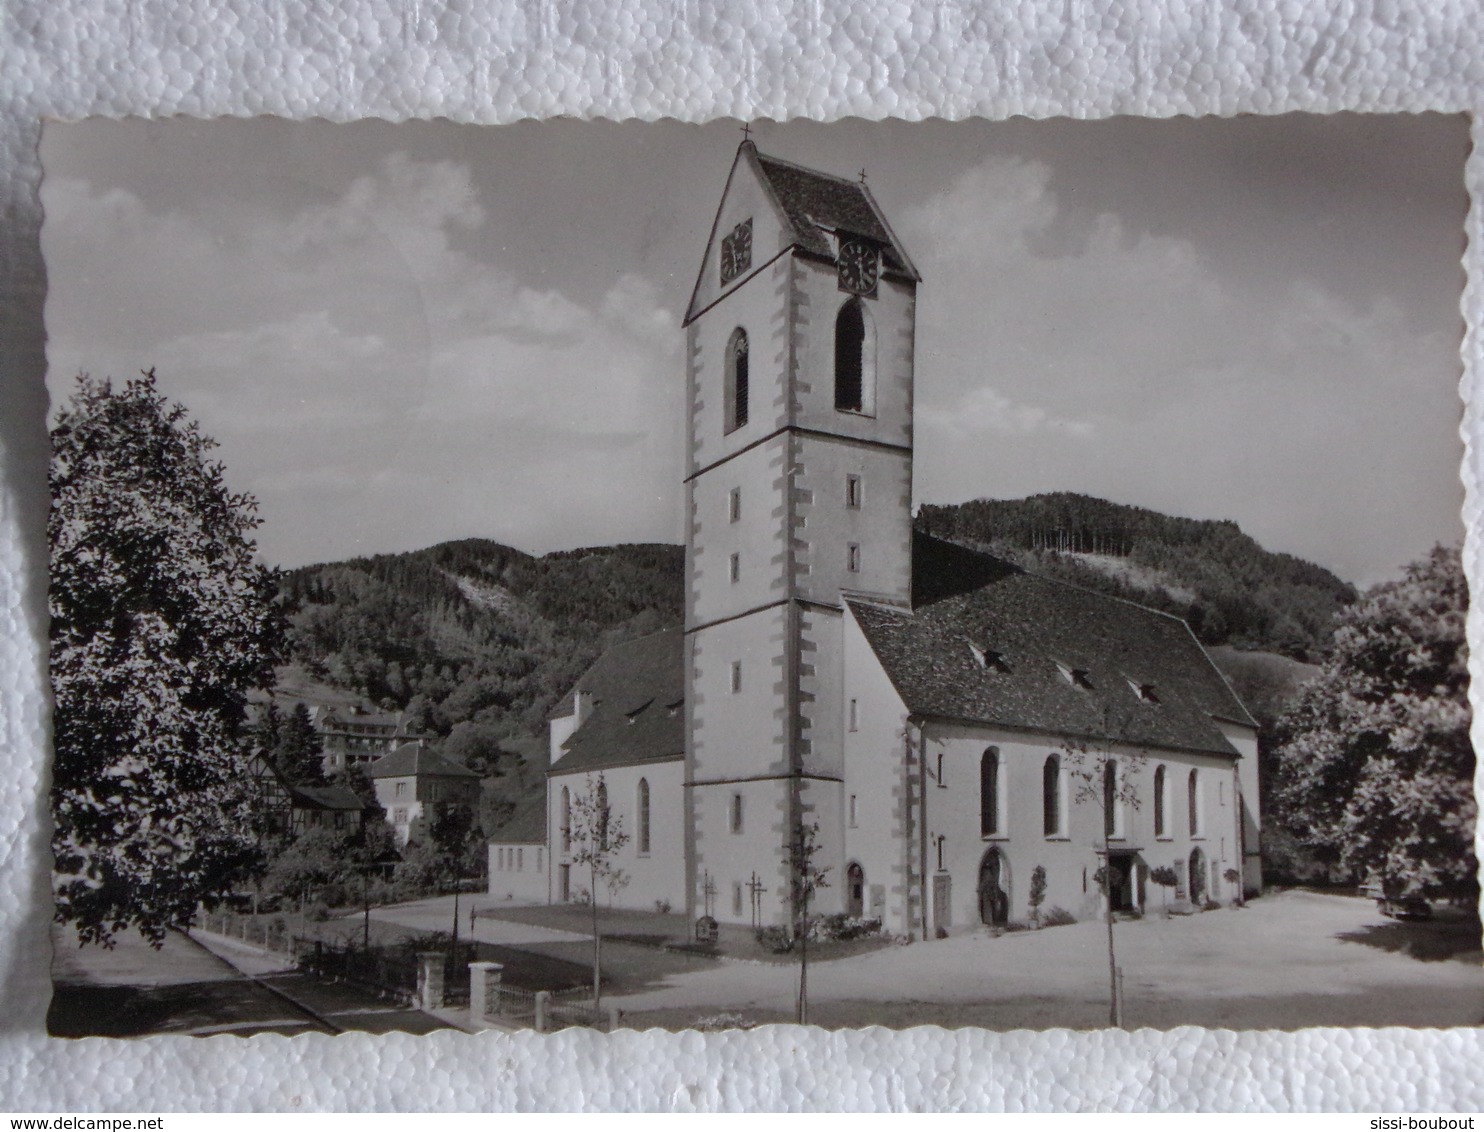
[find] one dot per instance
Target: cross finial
(746, 131)
(863, 174)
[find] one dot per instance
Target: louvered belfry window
(737, 379)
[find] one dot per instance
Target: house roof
(816, 202)
(991, 643)
(526, 826)
(415, 759)
(638, 695)
(325, 798)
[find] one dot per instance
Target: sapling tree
(1109, 782)
(806, 878)
(1164, 876)
(162, 622)
(597, 838)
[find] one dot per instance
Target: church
(969, 743)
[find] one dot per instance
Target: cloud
(371, 376)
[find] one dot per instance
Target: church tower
(799, 363)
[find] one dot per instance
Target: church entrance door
(855, 891)
(994, 901)
(1121, 882)
(1197, 877)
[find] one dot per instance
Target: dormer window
(988, 659)
(1145, 692)
(1077, 677)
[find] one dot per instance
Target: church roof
(991, 643)
(415, 759)
(325, 798)
(815, 202)
(526, 825)
(638, 699)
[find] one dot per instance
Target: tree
(1164, 876)
(1037, 895)
(805, 879)
(300, 752)
(161, 622)
(597, 838)
(1375, 767)
(1109, 782)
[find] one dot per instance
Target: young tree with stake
(597, 838)
(806, 879)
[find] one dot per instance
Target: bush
(715, 1023)
(775, 939)
(663, 908)
(840, 927)
(1056, 916)
(318, 912)
(941, 933)
(1210, 905)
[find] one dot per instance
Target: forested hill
(1219, 579)
(473, 631)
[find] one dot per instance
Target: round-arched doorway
(994, 889)
(1197, 877)
(855, 891)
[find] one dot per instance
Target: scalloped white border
(695, 60)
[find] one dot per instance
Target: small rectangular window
(734, 505)
(852, 811)
(854, 719)
(736, 567)
(736, 815)
(736, 898)
(736, 676)
(853, 558)
(939, 776)
(853, 492)
(520, 860)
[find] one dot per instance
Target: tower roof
(811, 207)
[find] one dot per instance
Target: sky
(406, 333)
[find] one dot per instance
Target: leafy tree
(806, 877)
(597, 838)
(161, 623)
(300, 752)
(1375, 765)
(314, 859)
(1037, 895)
(1164, 876)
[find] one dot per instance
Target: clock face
(859, 267)
(736, 251)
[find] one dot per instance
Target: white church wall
(654, 877)
(1072, 857)
(517, 872)
(1249, 810)
(756, 536)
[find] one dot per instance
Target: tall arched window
(602, 802)
(644, 815)
(1051, 796)
(1193, 798)
(1110, 798)
(737, 379)
(855, 359)
(566, 819)
(1160, 785)
(989, 792)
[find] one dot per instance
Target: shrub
(775, 939)
(318, 912)
(841, 927)
(726, 1020)
(663, 908)
(941, 933)
(1210, 905)
(1056, 916)
(1038, 891)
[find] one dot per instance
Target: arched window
(1160, 785)
(566, 819)
(1110, 798)
(1193, 792)
(737, 379)
(602, 802)
(855, 359)
(644, 815)
(989, 792)
(1051, 796)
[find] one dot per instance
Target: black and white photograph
(629, 575)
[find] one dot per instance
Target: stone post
(484, 1001)
(430, 980)
(613, 1019)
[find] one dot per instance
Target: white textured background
(501, 60)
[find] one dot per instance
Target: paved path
(436, 915)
